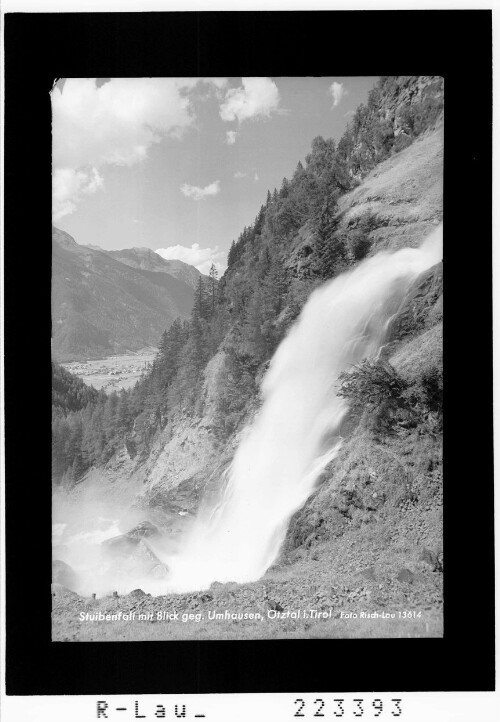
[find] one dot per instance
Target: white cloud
(231, 137)
(256, 97)
(337, 91)
(349, 114)
(111, 123)
(116, 122)
(70, 186)
(201, 258)
(239, 174)
(199, 194)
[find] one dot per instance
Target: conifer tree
(259, 221)
(214, 277)
(200, 307)
(123, 411)
(231, 257)
(285, 188)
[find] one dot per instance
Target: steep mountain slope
(101, 306)
(369, 535)
(188, 454)
(395, 206)
(148, 260)
(403, 197)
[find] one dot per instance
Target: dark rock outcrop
(133, 554)
(143, 530)
(432, 559)
(125, 544)
(422, 306)
(137, 593)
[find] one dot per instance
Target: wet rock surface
(125, 544)
(422, 306)
(133, 554)
(143, 530)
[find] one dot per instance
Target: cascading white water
(294, 436)
(281, 455)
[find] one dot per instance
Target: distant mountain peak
(139, 257)
(63, 238)
(148, 260)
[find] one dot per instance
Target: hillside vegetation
(371, 531)
(320, 222)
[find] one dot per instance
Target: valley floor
(113, 373)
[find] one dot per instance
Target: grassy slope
(404, 194)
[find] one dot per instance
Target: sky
(181, 165)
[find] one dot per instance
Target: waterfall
(282, 453)
(296, 432)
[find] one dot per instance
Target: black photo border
(39, 48)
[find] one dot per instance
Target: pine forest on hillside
(252, 306)
(280, 456)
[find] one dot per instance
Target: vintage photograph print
(247, 358)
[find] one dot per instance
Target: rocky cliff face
(409, 90)
(185, 461)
